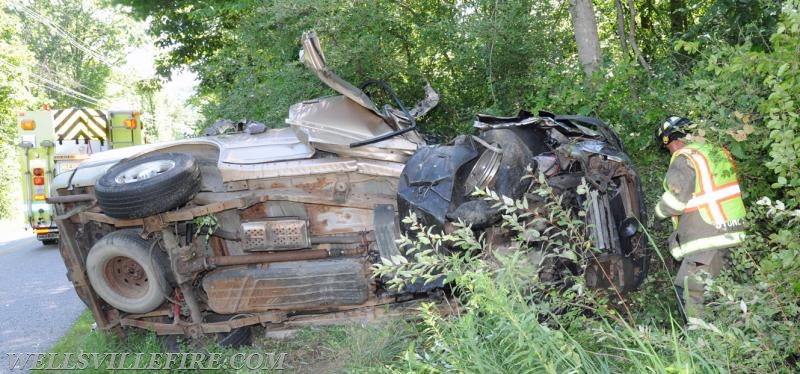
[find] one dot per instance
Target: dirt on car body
(282, 226)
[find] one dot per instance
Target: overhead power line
(52, 85)
(71, 82)
(73, 41)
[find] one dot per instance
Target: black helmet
(672, 128)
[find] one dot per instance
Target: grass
(509, 322)
(326, 349)
(81, 338)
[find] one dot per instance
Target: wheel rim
(126, 277)
(144, 171)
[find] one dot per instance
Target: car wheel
(123, 274)
(148, 185)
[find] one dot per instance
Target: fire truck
(54, 141)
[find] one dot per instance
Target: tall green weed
(515, 319)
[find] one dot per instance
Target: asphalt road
(37, 302)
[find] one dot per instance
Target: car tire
(148, 185)
(122, 272)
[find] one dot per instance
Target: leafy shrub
(513, 319)
(781, 72)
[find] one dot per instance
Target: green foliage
(206, 225)
(754, 304)
(76, 48)
(13, 96)
(83, 338)
(512, 320)
(192, 31)
(429, 258)
(735, 21)
(479, 55)
(781, 75)
(771, 250)
(148, 89)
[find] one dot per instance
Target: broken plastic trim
(413, 122)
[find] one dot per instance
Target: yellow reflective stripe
(671, 201)
(713, 242)
(659, 213)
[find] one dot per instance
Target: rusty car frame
(282, 226)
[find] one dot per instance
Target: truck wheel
(123, 274)
(148, 185)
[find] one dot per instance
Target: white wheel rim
(144, 171)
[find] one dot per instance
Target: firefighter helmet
(672, 128)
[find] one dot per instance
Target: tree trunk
(584, 25)
(646, 16)
(677, 17)
(623, 39)
(632, 34)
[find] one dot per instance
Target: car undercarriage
(282, 226)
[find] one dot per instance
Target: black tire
(148, 185)
(123, 274)
(49, 241)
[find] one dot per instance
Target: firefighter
(702, 196)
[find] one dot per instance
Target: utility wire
(73, 40)
(55, 86)
(69, 81)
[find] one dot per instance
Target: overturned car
(282, 226)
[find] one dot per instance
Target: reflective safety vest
(716, 198)
(716, 195)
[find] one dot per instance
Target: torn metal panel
(429, 179)
(335, 120)
(312, 56)
(430, 101)
(485, 122)
(333, 123)
(581, 150)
